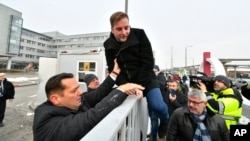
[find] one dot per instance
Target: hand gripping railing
(128, 122)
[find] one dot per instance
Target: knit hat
(88, 78)
(224, 79)
(157, 67)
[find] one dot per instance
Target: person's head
(197, 101)
(156, 68)
(63, 90)
(171, 77)
(120, 26)
(173, 85)
(2, 76)
(221, 82)
(91, 81)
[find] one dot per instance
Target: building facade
(21, 48)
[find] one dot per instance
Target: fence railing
(128, 122)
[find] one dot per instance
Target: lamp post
(186, 55)
(126, 6)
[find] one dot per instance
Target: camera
(208, 81)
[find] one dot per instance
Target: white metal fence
(128, 122)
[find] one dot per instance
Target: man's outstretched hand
(132, 88)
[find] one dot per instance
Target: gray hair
(198, 93)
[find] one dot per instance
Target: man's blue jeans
(157, 109)
(154, 124)
(157, 104)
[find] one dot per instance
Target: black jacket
(161, 79)
(135, 58)
(182, 127)
(53, 123)
(180, 101)
(8, 89)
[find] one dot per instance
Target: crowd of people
(176, 112)
(193, 109)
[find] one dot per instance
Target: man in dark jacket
(135, 57)
(175, 97)
(193, 122)
(69, 114)
(7, 91)
(91, 81)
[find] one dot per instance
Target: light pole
(126, 6)
(186, 55)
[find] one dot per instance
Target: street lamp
(126, 6)
(186, 55)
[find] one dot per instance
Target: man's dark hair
(54, 83)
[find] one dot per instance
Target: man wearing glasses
(224, 101)
(193, 122)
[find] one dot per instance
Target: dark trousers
(154, 124)
(2, 108)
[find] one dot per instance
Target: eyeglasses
(194, 102)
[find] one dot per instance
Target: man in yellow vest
(224, 101)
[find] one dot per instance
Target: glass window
(86, 67)
(15, 35)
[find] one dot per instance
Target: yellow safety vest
(229, 107)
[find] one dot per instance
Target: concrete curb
(24, 84)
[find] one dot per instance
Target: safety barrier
(128, 122)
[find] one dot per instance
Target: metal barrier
(128, 122)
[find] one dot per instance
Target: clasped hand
(132, 88)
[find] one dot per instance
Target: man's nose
(124, 31)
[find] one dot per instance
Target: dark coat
(180, 101)
(8, 89)
(53, 123)
(135, 58)
(161, 79)
(182, 127)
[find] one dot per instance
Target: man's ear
(112, 30)
(55, 99)
(205, 103)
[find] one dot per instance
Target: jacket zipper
(123, 61)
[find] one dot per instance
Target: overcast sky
(221, 27)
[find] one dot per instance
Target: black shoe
(162, 130)
(1, 124)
